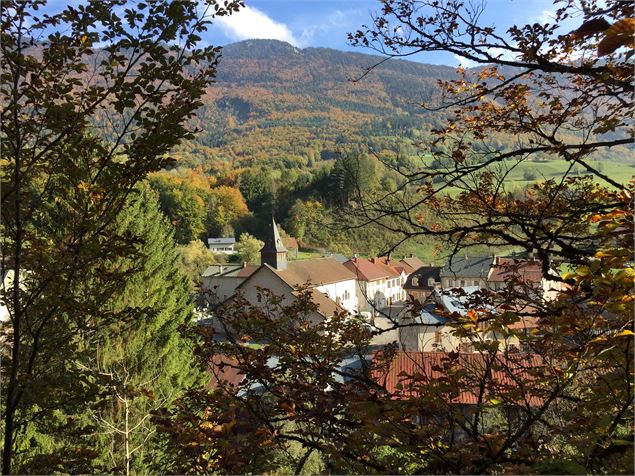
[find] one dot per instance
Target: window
(463, 283)
(437, 337)
(259, 297)
(430, 282)
(476, 282)
(415, 281)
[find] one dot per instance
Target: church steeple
(274, 253)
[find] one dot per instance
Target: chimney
(372, 260)
(244, 264)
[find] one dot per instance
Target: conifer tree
(148, 361)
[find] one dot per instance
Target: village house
(332, 285)
(429, 329)
(466, 271)
(509, 271)
(420, 284)
(291, 244)
(379, 282)
(411, 264)
(419, 379)
(221, 280)
(371, 289)
(397, 278)
(222, 245)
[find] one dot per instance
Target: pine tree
(149, 362)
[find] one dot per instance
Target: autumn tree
(248, 248)
(93, 98)
(184, 202)
(195, 257)
(225, 206)
(559, 402)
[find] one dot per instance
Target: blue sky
(324, 23)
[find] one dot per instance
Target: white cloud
(547, 16)
(325, 25)
(250, 23)
(466, 63)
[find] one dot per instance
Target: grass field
(529, 172)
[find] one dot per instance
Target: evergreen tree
(148, 362)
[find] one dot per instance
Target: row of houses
(367, 286)
(429, 347)
(356, 285)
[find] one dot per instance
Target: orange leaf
(620, 34)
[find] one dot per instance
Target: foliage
(195, 257)
(65, 179)
(148, 362)
(248, 248)
(226, 205)
(562, 398)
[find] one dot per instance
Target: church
(331, 284)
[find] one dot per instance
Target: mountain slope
(274, 102)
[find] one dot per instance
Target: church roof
(315, 272)
(273, 242)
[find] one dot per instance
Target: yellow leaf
(625, 332)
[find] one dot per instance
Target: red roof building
(460, 376)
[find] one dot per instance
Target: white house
(221, 245)
(221, 280)
(372, 289)
(331, 284)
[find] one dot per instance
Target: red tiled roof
(223, 371)
(365, 270)
(411, 264)
(290, 243)
(387, 265)
(247, 270)
(506, 269)
(427, 367)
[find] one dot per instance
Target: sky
(325, 23)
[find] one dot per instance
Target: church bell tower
(274, 253)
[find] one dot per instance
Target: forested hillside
(292, 130)
(288, 107)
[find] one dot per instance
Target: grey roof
(423, 274)
(429, 316)
(467, 267)
(273, 241)
(221, 241)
